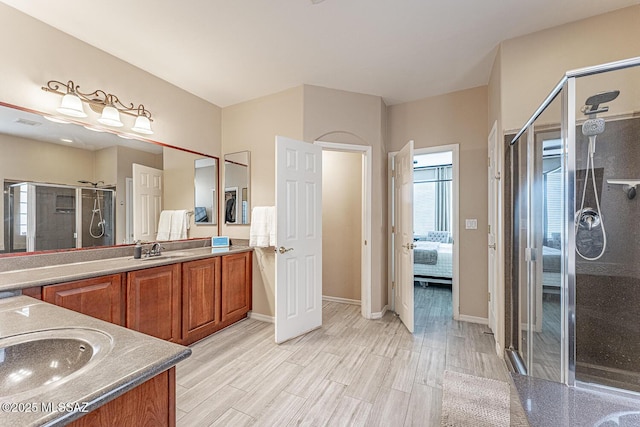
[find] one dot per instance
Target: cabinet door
(236, 285)
(200, 298)
(153, 302)
(100, 297)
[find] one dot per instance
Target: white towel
(179, 225)
(164, 225)
(263, 227)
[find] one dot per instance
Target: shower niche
(49, 217)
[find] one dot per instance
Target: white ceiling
(230, 51)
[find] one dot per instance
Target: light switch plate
(471, 224)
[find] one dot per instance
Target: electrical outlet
(471, 224)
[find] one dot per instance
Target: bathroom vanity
(180, 297)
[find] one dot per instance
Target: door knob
(282, 249)
(492, 246)
(409, 246)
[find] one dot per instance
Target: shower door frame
(566, 87)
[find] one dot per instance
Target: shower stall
(573, 299)
(47, 217)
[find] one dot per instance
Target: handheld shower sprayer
(96, 211)
(587, 217)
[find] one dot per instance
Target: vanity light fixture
(108, 105)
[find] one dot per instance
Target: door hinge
(489, 228)
(393, 229)
(488, 162)
(365, 243)
(489, 296)
(393, 284)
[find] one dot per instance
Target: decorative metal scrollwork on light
(107, 104)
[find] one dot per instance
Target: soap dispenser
(137, 250)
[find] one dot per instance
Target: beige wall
(341, 224)
(253, 126)
(456, 118)
(33, 53)
(533, 64)
(337, 116)
(307, 113)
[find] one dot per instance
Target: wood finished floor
(351, 372)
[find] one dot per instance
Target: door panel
(147, 202)
(403, 242)
(299, 237)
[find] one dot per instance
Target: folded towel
(262, 233)
(179, 225)
(164, 225)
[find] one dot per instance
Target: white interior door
(493, 267)
(403, 241)
(147, 202)
(299, 238)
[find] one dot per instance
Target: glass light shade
(71, 106)
(110, 117)
(142, 125)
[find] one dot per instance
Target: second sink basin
(33, 361)
(167, 255)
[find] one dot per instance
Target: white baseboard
(341, 300)
(473, 319)
(262, 317)
(379, 314)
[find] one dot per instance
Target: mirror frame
(71, 120)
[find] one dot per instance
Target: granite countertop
(20, 279)
(131, 359)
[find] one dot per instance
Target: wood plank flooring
(350, 372)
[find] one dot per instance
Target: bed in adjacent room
(433, 259)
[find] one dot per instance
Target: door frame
(455, 195)
(365, 259)
(498, 294)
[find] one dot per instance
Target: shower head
(592, 103)
(94, 184)
(592, 127)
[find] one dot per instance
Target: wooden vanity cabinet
(181, 303)
(153, 302)
(152, 403)
(200, 299)
(236, 286)
(99, 297)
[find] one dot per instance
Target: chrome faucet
(156, 250)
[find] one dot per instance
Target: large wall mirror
(237, 192)
(68, 187)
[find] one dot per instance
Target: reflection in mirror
(205, 183)
(69, 187)
(237, 175)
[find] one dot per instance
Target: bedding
(443, 267)
(551, 263)
(425, 253)
(551, 259)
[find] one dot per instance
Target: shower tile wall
(55, 218)
(608, 289)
